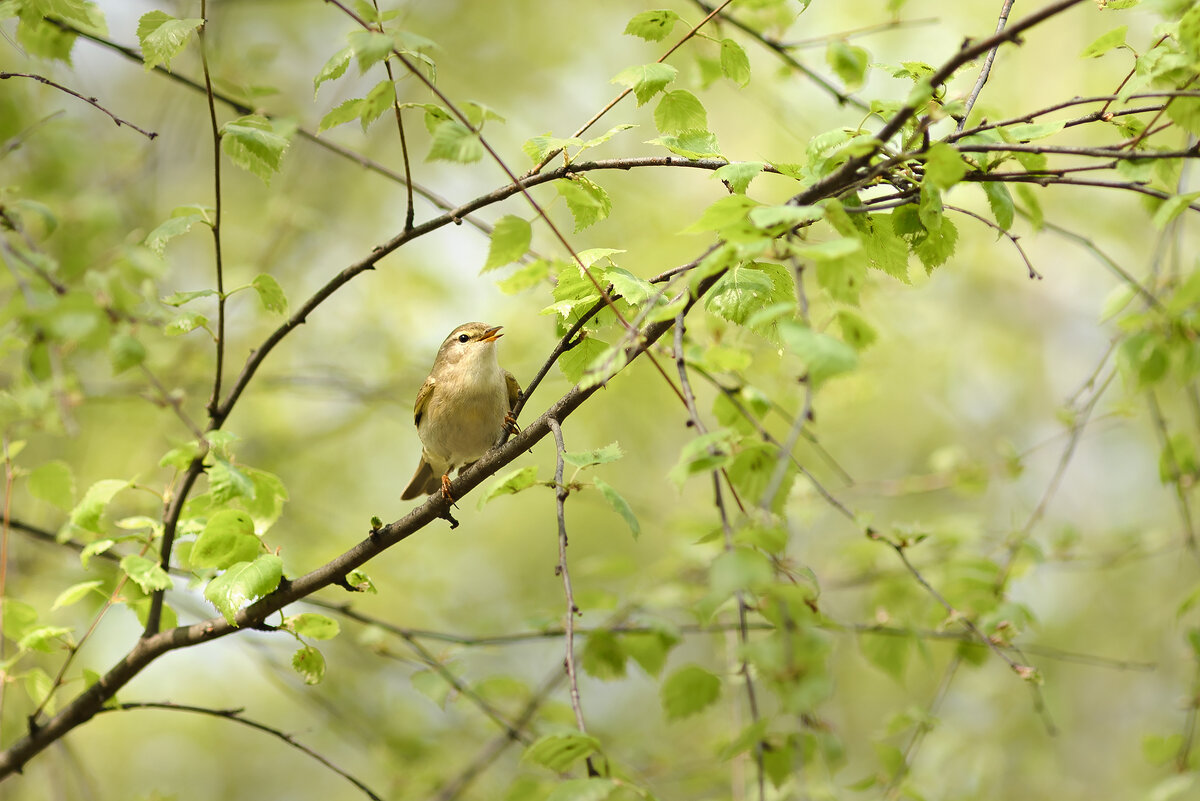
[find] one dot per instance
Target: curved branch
(89, 100)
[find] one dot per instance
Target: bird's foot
(446, 489)
(510, 425)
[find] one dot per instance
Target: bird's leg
(446, 488)
(510, 424)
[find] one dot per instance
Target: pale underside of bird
(462, 408)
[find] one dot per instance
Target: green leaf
(771, 217)
(629, 286)
(309, 663)
(558, 752)
(526, 276)
(75, 593)
(147, 574)
(649, 648)
(1106, 42)
(228, 482)
(1000, 201)
(824, 356)
(587, 201)
(179, 298)
(646, 80)
(1029, 131)
(511, 238)
(744, 290)
(242, 583)
(512, 482)
(381, 97)
(44, 638)
(93, 549)
(609, 453)
(934, 248)
(593, 788)
(162, 37)
(856, 331)
(227, 538)
(653, 26)
(453, 141)
(848, 62)
(693, 145)
(253, 143)
(603, 657)
(310, 624)
(340, 114)
(619, 505)
(53, 483)
(574, 363)
(689, 690)
(270, 293)
(334, 68)
(887, 652)
(944, 166)
(739, 569)
(370, 48)
(170, 228)
(706, 452)
(679, 111)
(1189, 32)
(125, 351)
(86, 513)
(1172, 207)
(734, 63)
(930, 207)
(738, 175)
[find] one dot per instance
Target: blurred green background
(951, 427)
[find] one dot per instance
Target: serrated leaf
(309, 663)
(53, 483)
(310, 624)
(381, 97)
(738, 175)
(94, 549)
(510, 240)
(558, 752)
(1106, 42)
(270, 293)
(694, 145)
(679, 111)
(266, 504)
(453, 141)
(180, 298)
(75, 593)
(86, 514)
(1029, 131)
(253, 143)
(512, 482)
(619, 505)
(242, 583)
(629, 286)
(689, 690)
(1000, 202)
(228, 482)
(706, 452)
(340, 114)
(586, 200)
(227, 538)
(944, 166)
(609, 453)
(370, 48)
(574, 363)
(743, 290)
(334, 68)
(170, 228)
(770, 217)
(823, 356)
(734, 63)
(162, 37)
(146, 573)
(653, 26)
(646, 80)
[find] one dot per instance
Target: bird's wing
(514, 389)
(423, 399)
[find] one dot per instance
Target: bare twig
(236, 716)
(89, 100)
(1033, 273)
(924, 726)
(1005, 7)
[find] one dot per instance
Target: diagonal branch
(89, 100)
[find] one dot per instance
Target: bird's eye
(463, 337)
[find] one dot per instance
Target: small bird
(462, 407)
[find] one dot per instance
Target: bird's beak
(491, 335)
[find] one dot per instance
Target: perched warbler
(462, 408)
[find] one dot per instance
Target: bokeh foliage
(975, 576)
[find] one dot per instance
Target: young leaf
(629, 286)
(824, 356)
(86, 513)
(53, 483)
(587, 200)
(145, 573)
(646, 80)
(162, 36)
(619, 505)
(855, 330)
(734, 63)
(558, 752)
(574, 363)
(706, 452)
(75, 593)
(512, 482)
(270, 293)
(227, 538)
(340, 114)
(334, 68)
(680, 111)
(944, 166)
(511, 238)
(1000, 201)
(125, 351)
(653, 26)
(453, 141)
(244, 582)
(1106, 42)
(609, 453)
(694, 145)
(689, 690)
(593, 788)
(370, 48)
(310, 624)
(309, 663)
(253, 143)
(737, 175)
(228, 482)
(170, 228)
(848, 62)
(603, 657)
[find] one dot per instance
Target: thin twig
(236, 716)
(408, 208)
(89, 100)
(1182, 504)
(924, 726)
(1003, 232)
(1005, 7)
